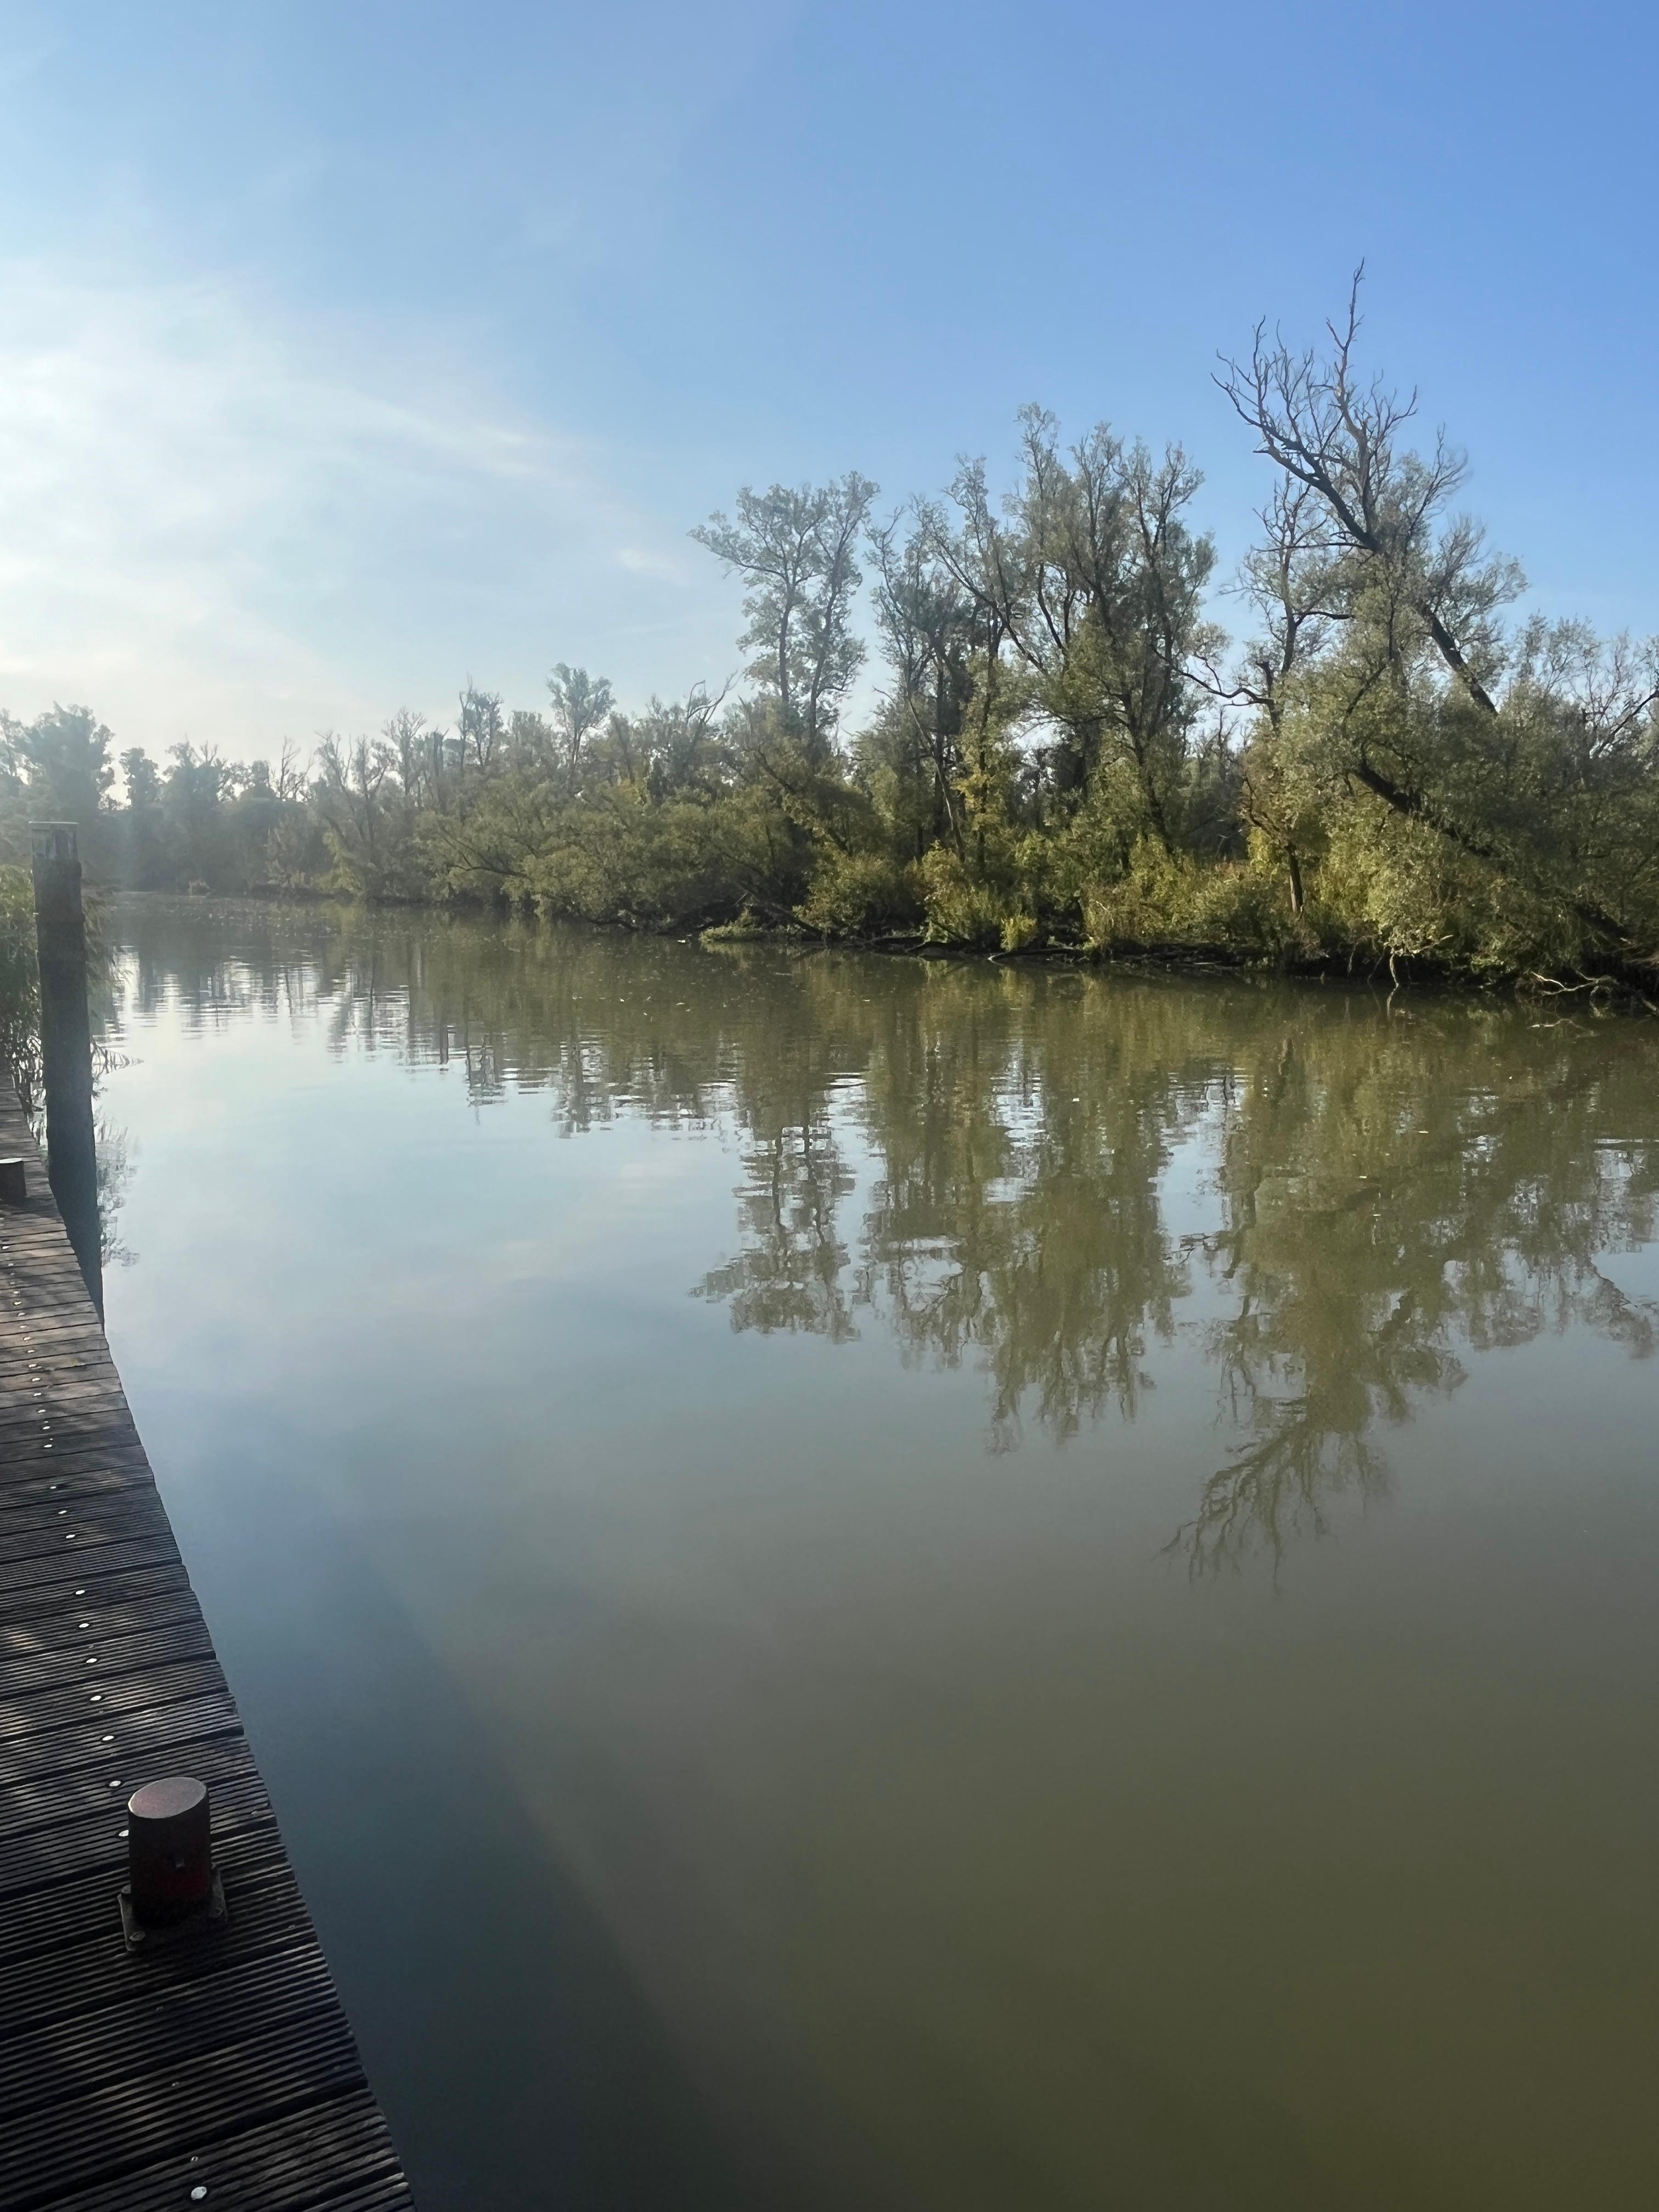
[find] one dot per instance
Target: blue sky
(351, 349)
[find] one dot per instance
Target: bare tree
(290, 779)
(1338, 437)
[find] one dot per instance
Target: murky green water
(866, 1585)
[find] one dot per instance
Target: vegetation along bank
(1394, 766)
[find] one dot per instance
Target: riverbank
(1634, 987)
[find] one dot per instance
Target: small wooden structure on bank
(217, 2068)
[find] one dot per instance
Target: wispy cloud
(213, 524)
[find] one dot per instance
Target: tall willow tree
(1094, 577)
(934, 638)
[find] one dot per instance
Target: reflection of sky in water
(608, 1394)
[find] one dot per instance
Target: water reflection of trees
(1002, 1166)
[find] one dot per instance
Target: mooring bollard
(14, 1187)
(171, 1889)
(60, 937)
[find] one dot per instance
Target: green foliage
(19, 981)
(626, 860)
(796, 551)
(860, 895)
(1165, 899)
(1066, 752)
(967, 906)
(63, 760)
(20, 984)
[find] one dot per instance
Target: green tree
(1095, 579)
(580, 704)
(193, 792)
(62, 761)
(797, 551)
(932, 634)
(144, 861)
(1529, 755)
(480, 727)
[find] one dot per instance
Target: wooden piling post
(60, 936)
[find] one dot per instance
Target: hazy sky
(349, 349)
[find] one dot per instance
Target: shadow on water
(551, 2085)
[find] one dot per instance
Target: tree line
(1388, 764)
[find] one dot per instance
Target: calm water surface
(869, 1585)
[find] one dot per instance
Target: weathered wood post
(60, 937)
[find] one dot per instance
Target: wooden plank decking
(219, 2070)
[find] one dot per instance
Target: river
(871, 1583)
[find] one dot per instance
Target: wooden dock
(218, 2069)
